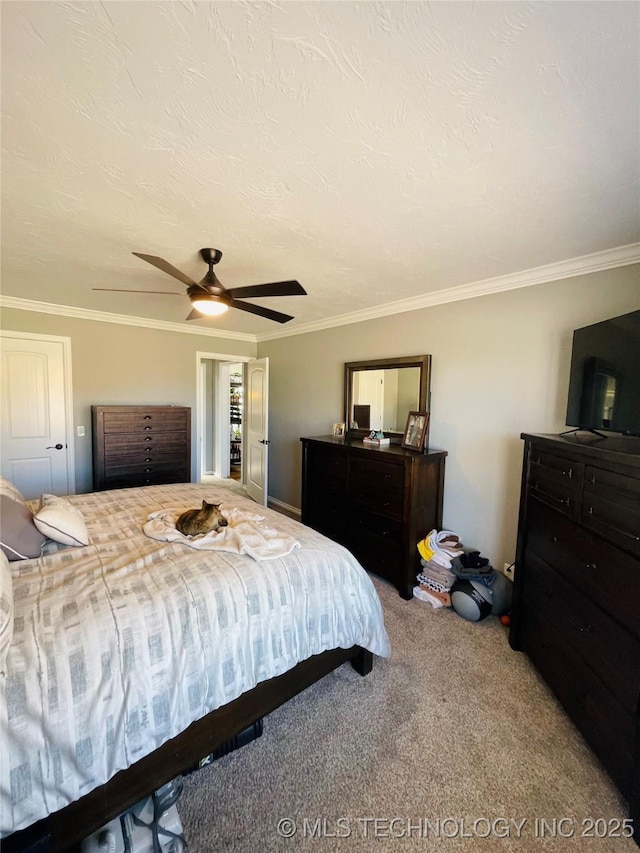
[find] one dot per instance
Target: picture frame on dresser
(415, 431)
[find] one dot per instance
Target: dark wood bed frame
(65, 829)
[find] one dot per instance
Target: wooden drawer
(377, 485)
(148, 420)
(387, 527)
(592, 634)
(604, 723)
(608, 575)
(611, 506)
(326, 519)
(125, 467)
(381, 556)
(145, 478)
(327, 464)
(556, 481)
(123, 445)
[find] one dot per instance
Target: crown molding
(585, 264)
(621, 256)
(119, 319)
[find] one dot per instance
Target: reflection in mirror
(382, 398)
(379, 394)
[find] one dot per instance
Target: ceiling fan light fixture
(210, 298)
(209, 305)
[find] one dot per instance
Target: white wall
(500, 367)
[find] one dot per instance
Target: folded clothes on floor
(426, 582)
(423, 595)
(440, 546)
(471, 565)
(444, 597)
(435, 572)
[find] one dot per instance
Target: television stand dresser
(140, 446)
(576, 598)
(378, 502)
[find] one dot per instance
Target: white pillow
(7, 488)
(61, 521)
(6, 609)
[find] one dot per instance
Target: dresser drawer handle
(148, 470)
(387, 476)
(148, 428)
(568, 473)
(591, 566)
(147, 417)
(554, 538)
(148, 459)
(586, 629)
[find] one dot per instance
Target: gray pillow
(20, 539)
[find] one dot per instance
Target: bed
(128, 659)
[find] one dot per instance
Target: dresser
(378, 502)
(576, 604)
(140, 446)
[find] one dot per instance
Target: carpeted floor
(452, 743)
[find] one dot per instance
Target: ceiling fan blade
(262, 312)
(163, 265)
(276, 288)
(119, 290)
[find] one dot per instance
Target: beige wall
(500, 367)
(121, 365)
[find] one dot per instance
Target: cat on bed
(192, 522)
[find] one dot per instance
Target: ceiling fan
(208, 297)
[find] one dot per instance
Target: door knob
(55, 447)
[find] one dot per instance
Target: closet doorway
(223, 409)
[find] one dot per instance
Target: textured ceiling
(374, 151)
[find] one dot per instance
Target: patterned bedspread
(119, 645)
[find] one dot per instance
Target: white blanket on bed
(244, 534)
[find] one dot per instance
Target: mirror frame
(424, 392)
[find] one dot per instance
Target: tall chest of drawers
(140, 445)
(377, 502)
(576, 607)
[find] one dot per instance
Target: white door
(36, 406)
(256, 433)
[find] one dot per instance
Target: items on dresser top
(377, 502)
(140, 446)
(576, 606)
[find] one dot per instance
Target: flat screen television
(604, 383)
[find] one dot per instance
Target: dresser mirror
(379, 394)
